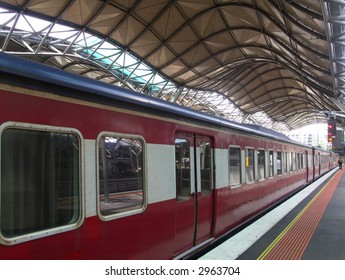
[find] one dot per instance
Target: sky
(319, 132)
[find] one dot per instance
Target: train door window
(310, 160)
(182, 168)
(40, 181)
(235, 166)
(120, 175)
(206, 167)
(250, 166)
(262, 164)
(271, 163)
(279, 163)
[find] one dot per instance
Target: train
(94, 171)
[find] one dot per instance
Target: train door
(194, 190)
(204, 189)
(307, 165)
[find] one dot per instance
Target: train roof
(33, 70)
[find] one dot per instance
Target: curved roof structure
(273, 62)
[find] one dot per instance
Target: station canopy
(276, 63)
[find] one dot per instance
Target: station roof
(275, 63)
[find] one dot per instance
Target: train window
(206, 167)
(271, 163)
(309, 160)
(120, 175)
(261, 164)
(40, 181)
(250, 167)
(317, 159)
(285, 162)
(294, 155)
(235, 166)
(182, 166)
(292, 162)
(279, 163)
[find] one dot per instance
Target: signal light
(331, 130)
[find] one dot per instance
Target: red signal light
(331, 130)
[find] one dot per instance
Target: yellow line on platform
(286, 230)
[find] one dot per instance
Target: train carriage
(93, 171)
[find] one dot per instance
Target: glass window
(317, 159)
(40, 181)
(206, 167)
(234, 166)
(250, 167)
(294, 156)
(285, 163)
(271, 163)
(262, 164)
(310, 160)
(279, 163)
(292, 162)
(121, 174)
(182, 166)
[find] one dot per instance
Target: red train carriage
(92, 171)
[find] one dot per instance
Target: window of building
(40, 181)
(120, 175)
(235, 166)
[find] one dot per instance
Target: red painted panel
(205, 217)
(234, 206)
(144, 236)
(184, 231)
(89, 120)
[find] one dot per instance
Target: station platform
(308, 226)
